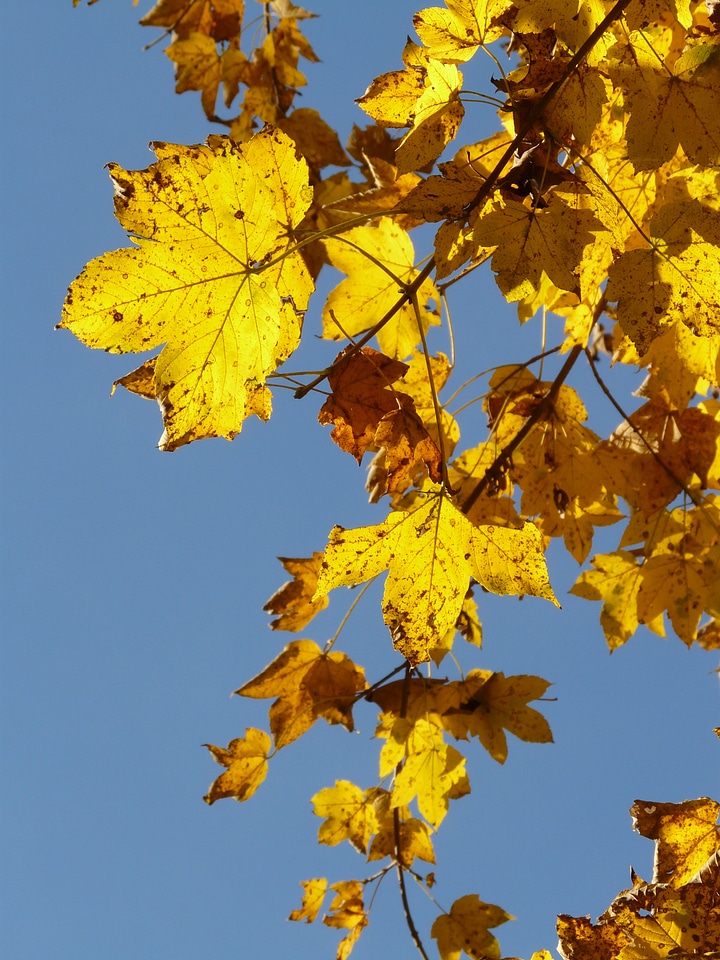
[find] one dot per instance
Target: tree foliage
(596, 202)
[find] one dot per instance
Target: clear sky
(133, 583)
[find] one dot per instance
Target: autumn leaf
(492, 703)
(212, 275)
(308, 684)
(531, 241)
(453, 34)
(197, 67)
(581, 939)
(368, 412)
(616, 580)
(246, 762)
(349, 815)
(347, 912)
(466, 929)
(412, 836)
(294, 600)
(686, 835)
(431, 552)
(669, 104)
(437, 118)
(313, 895)
(379, 262)
(315, 139)
(674, 280)
(432, 771)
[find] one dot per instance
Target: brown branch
(403, 889)
(396, 832)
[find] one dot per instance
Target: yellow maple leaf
(197, 67)
(431, 552)
(674, 280)
(213, 275)
(293, 601)
(467, 928)
(378, 261)
(424, 96)
(437, 118)
(313, 895)
(669, 105)
(432, 771)
(349, 815)
(308, 684)
(347, 911)
(616, 580)
(489, 704)
(246, 762)
(581, 939)
(686, 835)
(412, 839)
(531, 241)
(455, 32)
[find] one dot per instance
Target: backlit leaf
(349, 815)
(466, 929)
(308, 684)
(377, 261)
(686, 835)
(431, 553)
(293, 603)
(246, 762)
(313, 895)
(212, 275)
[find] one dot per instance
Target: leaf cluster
(595, 205)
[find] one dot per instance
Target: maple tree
(597, 202)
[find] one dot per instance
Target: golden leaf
(531, 241)
(197, 67)
(347, 911)
(246, 762)
(212, 275)
(377, 261)
(431, 552)
(294, 600)
(350, 815)
(616, 580)
(437, 118)
(492, 703)
(308, 684)
(466, 928)
(313, 895)
(454, 34)
(686, 835)
(669, 104)
(432, 771)
(673, 280)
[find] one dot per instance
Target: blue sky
(133, 584)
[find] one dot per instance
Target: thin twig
(403, 889)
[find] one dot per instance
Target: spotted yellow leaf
(377, 260)
(212, 275)
(246, 762)
(431, 552)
